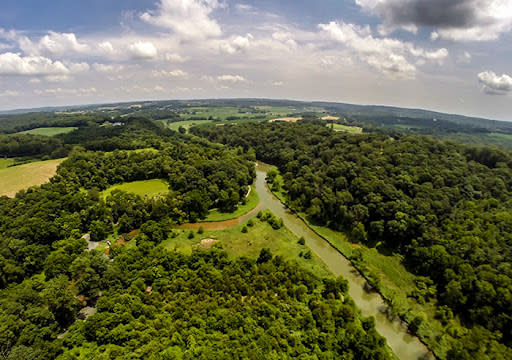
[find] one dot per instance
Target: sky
(446, 55)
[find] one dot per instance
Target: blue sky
(446, 55)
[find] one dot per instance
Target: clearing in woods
(287, 119)
(346, 128)
(16, 178)
(143, 188)
(49, 131)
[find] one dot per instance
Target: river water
(399, 340)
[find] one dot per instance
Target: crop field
(16, 178)
(143, 188)
(49, 131)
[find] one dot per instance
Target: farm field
(251, 202)
(143, 188)
(16, 178)
(49, 131)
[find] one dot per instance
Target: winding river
(401, 342)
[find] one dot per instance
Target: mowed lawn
(16, 178)
(49, 131)
(143, 188)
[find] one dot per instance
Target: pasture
(16, 178)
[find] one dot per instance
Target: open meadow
(143, 188)
(236, 243)
(49, 131)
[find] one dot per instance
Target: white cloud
(231, 78)
(9, 93)
(189, 19)
(54, 43)
(78, 67)
(63, 92)
(176, 58)
(237, 44)
(461, 20)
(464, 58)
(104, 68)
(143, 50)
(494, 84)
(385, 54)
(58, 78)
(106, 48)
(169, 74)
(285, 38)
(14, 64)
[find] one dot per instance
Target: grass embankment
(391, 279)
(16, 178)
(251, 202)
(49, 131)
(261, 235)
(143, 188)
(5, 163)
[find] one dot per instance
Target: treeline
(445, 206)
(20, 145)
(133, 134)
(21, 122)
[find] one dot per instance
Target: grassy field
(16, 178)
(281, 242)
(345, 128)
(252, 201)
(187, 124)
(143, 188)
(5, 163)
(49, 131)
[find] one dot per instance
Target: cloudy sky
(446, 55)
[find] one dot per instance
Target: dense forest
(445, 206)
(145, 301)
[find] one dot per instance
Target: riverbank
(386, 274)
(404, 345)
